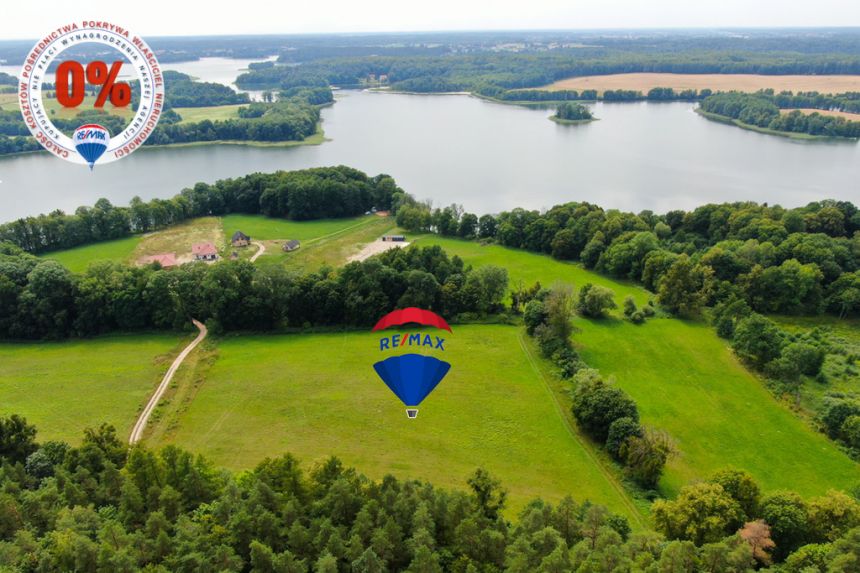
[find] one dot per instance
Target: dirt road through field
(262, 249)
(140, 425)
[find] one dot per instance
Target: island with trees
(572, 113)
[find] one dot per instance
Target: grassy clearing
(66, 387)
(179, 238)
(528, 267)
(263, 228)
(79, 258)
(9, 101)
(317, 394)
(716, 82)
(333, 248)
(686, 380)
(842, 370)
(212, 113)
(55, 110)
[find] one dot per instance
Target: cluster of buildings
(208, 252)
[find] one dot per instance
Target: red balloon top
(411, 314)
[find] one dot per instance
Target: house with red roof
(204, 252)
(166, 260)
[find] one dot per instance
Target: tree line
(762, 110)
(182, 91)
(792, 261)
(294, 117)
(603, 411)
(41, 299)
(324, 192)
(528, 69)
(105, 506)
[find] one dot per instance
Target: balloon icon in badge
(412, 377)
(91, 141)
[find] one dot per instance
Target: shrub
(619, 431)
(596, 404)
(595, 301)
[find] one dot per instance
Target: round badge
(91, 143)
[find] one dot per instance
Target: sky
(27, 20)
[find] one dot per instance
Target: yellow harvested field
(715, 82)
(847, 115)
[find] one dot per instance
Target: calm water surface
(489, 157)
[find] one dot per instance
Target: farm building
(166, 260)
(204, 252)
(291, 246)
(394, 238)
(240, 239)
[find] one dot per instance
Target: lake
(488, 157)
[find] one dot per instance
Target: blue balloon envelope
(91, 141)
(411, 377)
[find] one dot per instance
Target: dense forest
(102, 506)
(181, 91)
(458, 72)
(304, 48)
(763, 110)
(322, 192)
(41, 299)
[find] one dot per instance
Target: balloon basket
(411, 413)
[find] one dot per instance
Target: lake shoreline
(767, 131)
(318, 138)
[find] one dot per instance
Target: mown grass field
(259, 227)
(326, 242)
(65, 387)
(716, 82)
(212, 113)
(686, 381)
(79, 258)
(317, 394)
(180, 238)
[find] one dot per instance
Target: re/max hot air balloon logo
(414, 375)
(90, 86)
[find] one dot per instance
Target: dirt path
(259, 252)
(140, 425)
(375, 248)
(625, 497)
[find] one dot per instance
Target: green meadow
(259, 227)
(686, 381)
(65, 387)
(78, 259)
(315, 395)
(323, 242)
(526, 268)
(212, 113)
